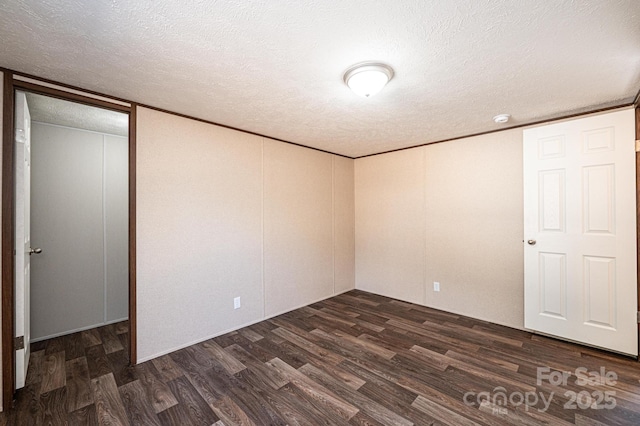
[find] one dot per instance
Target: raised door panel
(599, 286)
(551, 147)
(551, 212)
(598, 199)
(553, 284)
(595, 141)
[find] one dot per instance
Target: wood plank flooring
(354, 359)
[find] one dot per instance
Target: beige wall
(298, 222)
(344, 244)
(390, 258)
(449, 212)
(224, 214)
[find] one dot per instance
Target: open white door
(23, 234)
(580, 230)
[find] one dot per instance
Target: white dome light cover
(368, 78)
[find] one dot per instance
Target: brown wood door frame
(8, 219)
(638, 207)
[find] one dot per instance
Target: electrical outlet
(236, 303)
(436, 286)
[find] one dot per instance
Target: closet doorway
(71, 221)
(68, 246)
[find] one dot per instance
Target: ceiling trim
(117, 106)
(18, 79)
(202, 120)
(533, 123)
(41, 80)
(34, 87)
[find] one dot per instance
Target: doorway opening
(72, 257)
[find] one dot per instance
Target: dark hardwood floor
(355, 359)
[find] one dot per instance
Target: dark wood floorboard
(354, 359)
(78, 384)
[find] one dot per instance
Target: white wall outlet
(236, 303)
(436, 286)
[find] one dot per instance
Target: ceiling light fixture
(368, 78)
(501, 118)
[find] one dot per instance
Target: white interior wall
(79, 216)
(448, 212)
(116, 226)
(224, 214)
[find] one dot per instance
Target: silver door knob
(531, 242)
(36, 250)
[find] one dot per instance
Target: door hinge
(638, 146)
(18, 343)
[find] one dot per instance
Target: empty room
(320, 212)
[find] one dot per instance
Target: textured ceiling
(275, 67)
(50, 110)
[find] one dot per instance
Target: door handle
(36, 250)
(531, 242)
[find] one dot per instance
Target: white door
(23, 234)
(580, 230)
